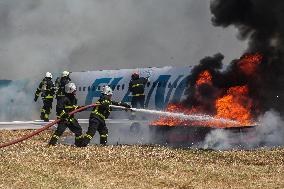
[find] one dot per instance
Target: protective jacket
(69, 104)
(137, 86)
(46, 88)
(60, 85)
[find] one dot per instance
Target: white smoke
(217, 139)
(268, 133)
(271, 129)
(17, 102)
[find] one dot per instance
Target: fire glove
(127, 106)
(36, 97)
(66, 117)
(69, 119)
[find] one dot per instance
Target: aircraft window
(99, 88)
(80, 89)
(154, 84)
(122, 87)
(117, 87)
(84, 88)
(148, 84)
(159, 84)
(112, 87)
(170, 85)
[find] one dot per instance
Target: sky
(37, 36)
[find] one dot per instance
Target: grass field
(32, 165)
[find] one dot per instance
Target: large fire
(232, 103)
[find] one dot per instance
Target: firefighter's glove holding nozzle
(36, 97)
(127, 106)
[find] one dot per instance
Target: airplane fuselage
(167, 84)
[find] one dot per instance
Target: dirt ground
(31, 164)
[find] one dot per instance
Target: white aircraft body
(166, 84)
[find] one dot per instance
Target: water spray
(191, 117)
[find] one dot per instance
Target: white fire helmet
(48, 74)
(70, 88)
(65, 73)
(107, 90)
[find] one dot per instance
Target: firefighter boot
(53, 140)
(46, 117)
(42, 114)
(103, 139)
(86, 140)
(79, 141)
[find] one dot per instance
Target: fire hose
(43, 128)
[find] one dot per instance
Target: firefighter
(137, 88)
(47, 90)
(69, 103)
(60, 84)
(98, 116)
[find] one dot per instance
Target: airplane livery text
(162, 86)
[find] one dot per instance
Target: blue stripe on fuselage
(160, 84)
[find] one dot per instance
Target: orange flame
(179, 108)
(249, 62)
(236, 105)
(204, 78)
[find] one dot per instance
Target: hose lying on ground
(43, 128)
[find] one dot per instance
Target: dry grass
(32, 165)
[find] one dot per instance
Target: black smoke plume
(261, 23)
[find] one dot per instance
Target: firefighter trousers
(46, 109)
(73, 126)
(96, 124)
(138, 100)
(59, 105)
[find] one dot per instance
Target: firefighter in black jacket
(98, 116)
(60, 84)
(137, 87)
(69, 103)
(47, 90)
